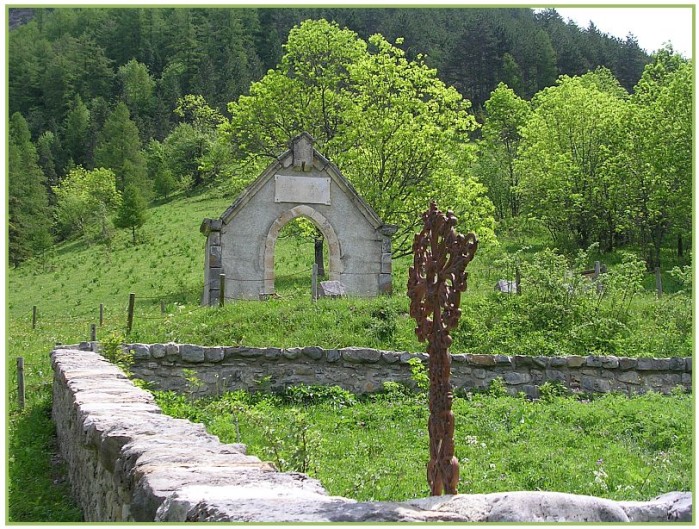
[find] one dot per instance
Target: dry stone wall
(130, 463)
(362, 370)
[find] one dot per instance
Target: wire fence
(217, 292)
(223, 288)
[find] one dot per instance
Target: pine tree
(132, 212)
(29, 219)
(119, 149)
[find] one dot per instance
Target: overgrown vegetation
(610, 446)
(68, 285)
(101, 124)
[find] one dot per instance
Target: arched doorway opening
(299, 245)
(334, 263)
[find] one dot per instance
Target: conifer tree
(29, 212)
(132, 212)
(119, 149)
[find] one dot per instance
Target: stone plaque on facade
(302, 189)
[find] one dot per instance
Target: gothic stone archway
(241, 243)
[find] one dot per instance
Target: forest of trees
(110, 108)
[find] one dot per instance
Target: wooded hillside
(159, 101)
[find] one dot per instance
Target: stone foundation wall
(360, 370)
(130, 463)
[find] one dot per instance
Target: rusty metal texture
(435, 282)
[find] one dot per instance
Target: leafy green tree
(567, 159)
(506, 114)
(29, 224)
(658, 163)
(132, 211)
(192, 150)
(119, 149)
(394, 129)
(164, 182)
(85, 201)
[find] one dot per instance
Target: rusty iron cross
(435, 282)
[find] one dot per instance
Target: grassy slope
(69, 285)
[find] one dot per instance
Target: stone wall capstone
(362, 370)
(130, 463)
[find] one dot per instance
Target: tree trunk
(133, 231)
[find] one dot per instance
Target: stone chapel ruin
(300, 183)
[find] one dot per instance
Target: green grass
(612, 446)
(69, 284)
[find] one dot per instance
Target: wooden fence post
(162, 307)
(93, 332)
(314, 283)
(518, 282)
(221, 290)
(34, 317)
(101, 314)
(20, 382)
(129, 317)
(658, 282)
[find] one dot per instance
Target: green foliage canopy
(85, 199)
(393, 128)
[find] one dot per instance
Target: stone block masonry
(361, 370)
(130, 463)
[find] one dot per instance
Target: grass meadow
(503, 443)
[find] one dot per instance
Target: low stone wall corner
(128, 462)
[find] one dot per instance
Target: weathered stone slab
(390, 357)
(502, 360)
(480, 360)
(607, 362)
(140, 351)
(158, 350)
(192, 353)
(213, 354)
(629, 377)
(314, 353)
(541, 361)
(251, 352)
(333, 355)
(360, 356)
(627, 363)
(332, 289)
(522, 361)
(172, 349)
(515, 378)
(538, 507)
(506, 287)
(653, 364)
(576, 361)
(292, 353)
